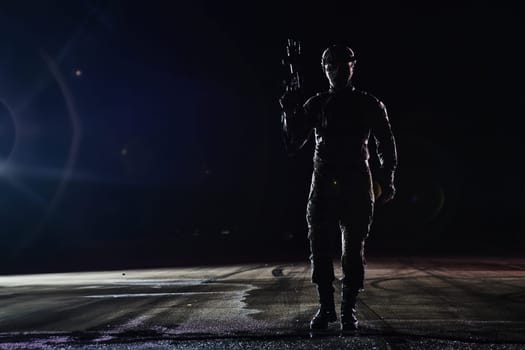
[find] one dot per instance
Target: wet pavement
(416, 303)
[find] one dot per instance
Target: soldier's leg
(355, 227)
(320, 234)
(353, 259)
(321, 256)
(322, 275)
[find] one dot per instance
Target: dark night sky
(136, 132)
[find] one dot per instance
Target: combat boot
(326, 312)
(349, 323)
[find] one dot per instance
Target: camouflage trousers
(340, 205)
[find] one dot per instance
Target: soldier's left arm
(385, 142)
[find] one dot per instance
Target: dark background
(141, 134)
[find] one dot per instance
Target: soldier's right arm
(298, 122)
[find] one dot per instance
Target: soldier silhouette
(342, 119)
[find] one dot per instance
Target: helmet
(337, 53)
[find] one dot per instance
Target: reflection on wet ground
(408, 303)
